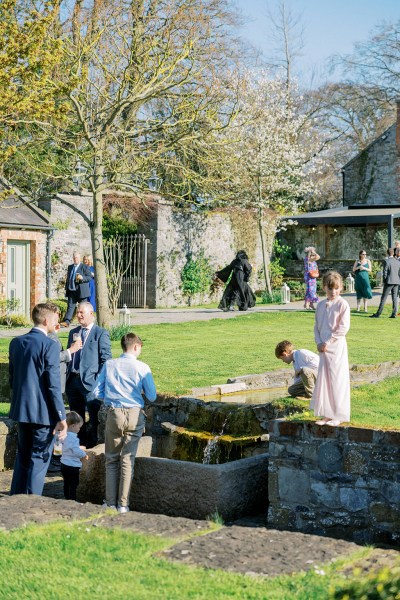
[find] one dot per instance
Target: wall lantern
(124, 316)
(1, 245)
(379, 279)
(350, 283)
(285, 293)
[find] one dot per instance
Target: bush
(15, 320)
(62, 306)
(297, 288)
(118, 331)
(196, 276)
(384, 585)
(274, 298)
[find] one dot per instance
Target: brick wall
(337, 481)
(37, 281)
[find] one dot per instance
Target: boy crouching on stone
(122, 383)
(305, 364)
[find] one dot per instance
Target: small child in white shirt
(72, 454)
(305, 364)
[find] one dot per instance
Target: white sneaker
(333, 423)
(123, 509)
(105, 505)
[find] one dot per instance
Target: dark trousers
(71, 481)
(394, 290)
(77, 399)
(72, 299)
(35, 445)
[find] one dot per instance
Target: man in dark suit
(77, 286)
(84, 368)
(391, 282)
(36, 403)
(65, 358)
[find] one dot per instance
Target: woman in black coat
(238, 290)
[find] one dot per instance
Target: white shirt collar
(40, 329)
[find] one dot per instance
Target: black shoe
(392, 317)
(375, 316)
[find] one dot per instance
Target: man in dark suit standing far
(36, 402)
(84, 369)
(391, 283)
(77, 286)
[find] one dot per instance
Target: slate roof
(342, 215)
(18, 212)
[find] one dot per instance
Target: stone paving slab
(246, 546)
(260, 551)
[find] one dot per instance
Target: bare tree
(149, 91)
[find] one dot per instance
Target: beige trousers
(306, 386)
(124, 428)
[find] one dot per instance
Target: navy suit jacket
(82, 288)
(35, 380)
(95, 352)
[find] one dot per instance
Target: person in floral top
(310, 265)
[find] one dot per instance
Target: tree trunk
(103, 309)
(264, 252)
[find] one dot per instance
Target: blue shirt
(122, 381)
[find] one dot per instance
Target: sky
(330, 26)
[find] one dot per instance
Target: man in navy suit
(77, 286)
(36, 403)
(84, 369)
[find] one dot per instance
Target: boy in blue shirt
(122, 383)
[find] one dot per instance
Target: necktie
(72, 285)
(77, 355)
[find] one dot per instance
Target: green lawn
(201, 353)
(91, 562)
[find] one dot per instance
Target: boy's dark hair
(41, 311)
(130, 339)
(73, 418)
(282, 347)
(332, 280)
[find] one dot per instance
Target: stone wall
(336, 481)
(371, 177)
(174, 235)
(72, 233)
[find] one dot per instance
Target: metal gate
(133, 259)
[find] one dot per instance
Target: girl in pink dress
(331, 397)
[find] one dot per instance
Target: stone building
(369, 217)
(24, 258)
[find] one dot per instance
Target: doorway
(18, 276)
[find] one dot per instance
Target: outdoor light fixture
(1, 245)
(124, 316)
(285, 293)
(350, 283)
(379, 279)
